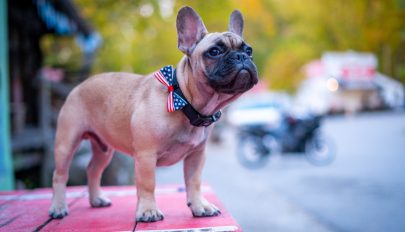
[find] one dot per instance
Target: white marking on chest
(178, 146)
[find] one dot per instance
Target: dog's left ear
(236, 23)
(190, 29)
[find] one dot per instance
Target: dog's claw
(58, 212)
(206, 210)
(208, 214)
(58, 215)
(150, 216)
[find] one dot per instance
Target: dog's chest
(180, 145)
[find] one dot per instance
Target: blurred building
(348, 82)
(35, 89)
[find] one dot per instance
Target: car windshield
(259, 105)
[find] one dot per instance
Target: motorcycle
(303, 135)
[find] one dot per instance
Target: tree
(307, 30)
(140, 36)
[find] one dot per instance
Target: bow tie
(167, 76)
(177, 101)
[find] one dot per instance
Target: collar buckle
(216, 116)
(200, 120)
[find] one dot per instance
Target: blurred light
(166, 8)
(65, 54)
(146, 10)
(332, 84)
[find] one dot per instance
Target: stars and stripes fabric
(167, 77)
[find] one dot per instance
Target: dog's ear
(190, 29)
(236, 23)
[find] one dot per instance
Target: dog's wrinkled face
(227, 62)
(222, 61)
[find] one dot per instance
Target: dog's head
(222, 61)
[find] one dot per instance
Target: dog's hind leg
(68, 137)
(101, 158)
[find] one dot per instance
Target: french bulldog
(134, 114)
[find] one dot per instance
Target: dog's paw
(149, 215)
(58, 211)
(99, 202)
(147, 211)
(203, 208)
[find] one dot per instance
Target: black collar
(195, 118)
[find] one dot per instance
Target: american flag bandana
(167, 77)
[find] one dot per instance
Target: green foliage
(140, 36)
(307, 30)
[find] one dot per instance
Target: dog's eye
(215, 51)
(249, 51)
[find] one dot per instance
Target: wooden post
(6, 167)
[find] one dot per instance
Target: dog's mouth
(238, 81)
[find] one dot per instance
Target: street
(362, 190)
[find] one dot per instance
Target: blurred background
(317, 145)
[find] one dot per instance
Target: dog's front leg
(200, 207)
(146, 210)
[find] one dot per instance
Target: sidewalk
(254, 205)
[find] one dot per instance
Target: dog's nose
(239, 56)
(242, 56)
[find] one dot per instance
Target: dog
(159, 119)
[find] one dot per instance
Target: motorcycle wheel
(319, 150)
(251, 152)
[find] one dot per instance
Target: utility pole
(6, 165)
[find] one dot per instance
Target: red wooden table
(28, 211)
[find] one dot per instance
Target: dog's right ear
(190, 29)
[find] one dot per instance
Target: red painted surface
(28, 211)
(178, 216)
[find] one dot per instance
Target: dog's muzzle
(236, 74)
